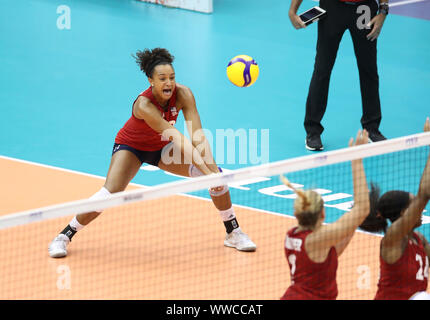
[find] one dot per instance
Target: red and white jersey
(405, 277)
(309, 280)
(137, 134)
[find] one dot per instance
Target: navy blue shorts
(150, 157)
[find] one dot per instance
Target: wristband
(384, 8)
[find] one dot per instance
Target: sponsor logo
(36, 215)
(234, 224)
(321, 159)
(173, 111)
(133, 197)
(411, 141)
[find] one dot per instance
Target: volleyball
(242, 71)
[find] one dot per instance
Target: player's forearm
(207, 156)
(427, 247)
(187, 150)
(201, 143)
(424, 188)
(406, 223)
(361, 189)
(198, 137)
(343, 228)
(191, 152)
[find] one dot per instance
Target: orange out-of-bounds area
(164, 249)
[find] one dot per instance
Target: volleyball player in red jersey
(311, 248)
(404, 253)
(150, 136)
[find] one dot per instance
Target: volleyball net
(166, 242)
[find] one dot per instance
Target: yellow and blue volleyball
(242, 71)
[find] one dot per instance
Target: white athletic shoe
(57, 248)
(239, 240)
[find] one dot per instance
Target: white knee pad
(101, 194)
(194, 172)
(218, 191)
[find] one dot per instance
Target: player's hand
(296, 21)
(362, 138)
(427, 125)
(377, 22)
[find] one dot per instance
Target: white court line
(64, 170)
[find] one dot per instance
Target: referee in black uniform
(364, 20)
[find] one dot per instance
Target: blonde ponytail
(307, 206)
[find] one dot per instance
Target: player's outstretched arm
(340, 232)
(194, 126)
(147, 111)
(406, 223)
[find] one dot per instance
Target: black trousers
(339, 18)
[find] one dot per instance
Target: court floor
(64, 94)
(160, 249)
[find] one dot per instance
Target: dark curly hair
(389, 206)
(148, 59)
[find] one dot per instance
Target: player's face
(163, 80)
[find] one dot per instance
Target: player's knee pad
(218, 191)
(194, 172)
(101, 194)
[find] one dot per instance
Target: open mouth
(167, 92)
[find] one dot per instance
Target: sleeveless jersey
(408, 275)
(137, 134)
(309, 280)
